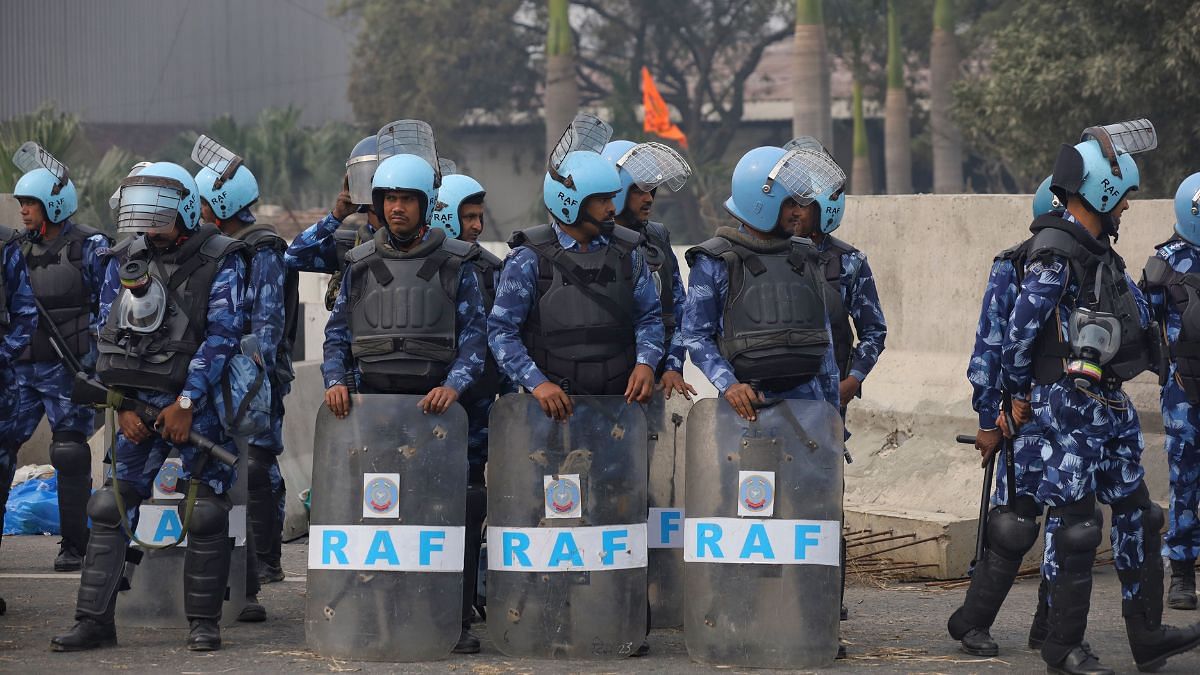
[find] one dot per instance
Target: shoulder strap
(838, 245)
(262, 236)
(361, 252)
(460, 248)
(625, 240)
(538, 235)
(87, 231)
(714, 248)
(8, 235)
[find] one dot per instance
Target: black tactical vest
(7, 236)
(56, 274)
(402, 312)
(159, 361)
(1182, 290)
(1087, 257)
(258, 237)
(657, 252)
(774, 315)
(345, 238)
(839, 315)
(580, 330)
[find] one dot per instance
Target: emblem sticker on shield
(167, 482)
(756, 493)
(564, 498)
(381, 495)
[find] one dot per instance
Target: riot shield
(567, 529)
(155, 595)
(666, 432)
(385, 553)
(762, 535)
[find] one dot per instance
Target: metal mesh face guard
(149, 203)
(1129, 137)
(805, 143)
(409, 137)
(586, 132)
(447, 167)
(804, 174)
(651, 165)
(115, 200)
(223, 161)
(31, 156)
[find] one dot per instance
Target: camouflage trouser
(46, 388)
(1027, 465)
(8, 450)
(1181, 419)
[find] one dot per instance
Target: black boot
(73, 494)
(1183, 585)
(1151, 642)
(467, 643)
(1069, 594)
(206, 568)
(103, 568)
(69, 559)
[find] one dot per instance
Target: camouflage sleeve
(708, 283)
(314, 249)
(226, 318)
(336, 366)
(648, 325)
(471, 327)
(677, 350)
(514, 298)
(867, 314)
(108, 289)
(22, 312)
(1041, 291)
(1142, 305)
(264, 302)
(93, 273)
(983, 371)
(830, 375)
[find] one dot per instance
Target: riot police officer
(643, 168)
(1012, 523)
(576, 310)
(1170, 279)
(227, 190)
(168, 348)
(66, 273)
(18, 320)
(1078, 331)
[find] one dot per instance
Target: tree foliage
(1053, 69)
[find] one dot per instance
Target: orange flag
(657, 115)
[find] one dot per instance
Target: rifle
(88, 391)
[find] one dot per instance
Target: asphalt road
(897, 628)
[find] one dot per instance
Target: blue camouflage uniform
(479, 408)
(1091, 439)
(861, 299)
(19, 324)
(702, 322)
(138, 464)
(1180, 418)
(315, 249)
(516, 294)
(983, 372)
(470, 326)
(45, 386)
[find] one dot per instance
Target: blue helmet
(46, 180)
(613, 152)
(408, 173)
(360, 169)
(831, 206)
(1187, 209)
(227, 197)
(456, 188)
(154, 198)
(1100, 168)
(581, 174)
(1045, 201)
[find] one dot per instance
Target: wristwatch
(184, 402)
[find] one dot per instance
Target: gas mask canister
(143, 301)
(1095, 339)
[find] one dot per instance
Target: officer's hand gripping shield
(567, 529)
(762, 537)
(666, 430)
(387, 531)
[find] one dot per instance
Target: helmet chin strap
(606, 227)
(1108, 224)
(401, 241)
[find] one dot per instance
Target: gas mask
(142, 305)
(1095, 339)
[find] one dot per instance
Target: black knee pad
(103, 509)
(258, 468)
(1154, 518)
(1011, 534)
(71, 458)
(1138, 500)
(210, 514)
(1080, 531)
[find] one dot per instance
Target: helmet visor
(408, 137)
(805, 143)
(359, 173)
(31, 156)
(223, 161)
(805, 174)
(1129, 137)
(585, 132)
(149, 203)
(447, 167)
(651, 165)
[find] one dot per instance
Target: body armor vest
(580, 330)
(259, 237)
(488, 265)
(657, 252)
(7, 236)
(1182, 291)
(1087, 257)
(402, 311)
(345, 238)
(774, 314)
(56, 274)
(839, 315)
(159, 361)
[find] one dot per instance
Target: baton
(985, 500)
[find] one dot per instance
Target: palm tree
(562, 91)
(897, 150)
(943, 70)
(810, 66)
(861, 182)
